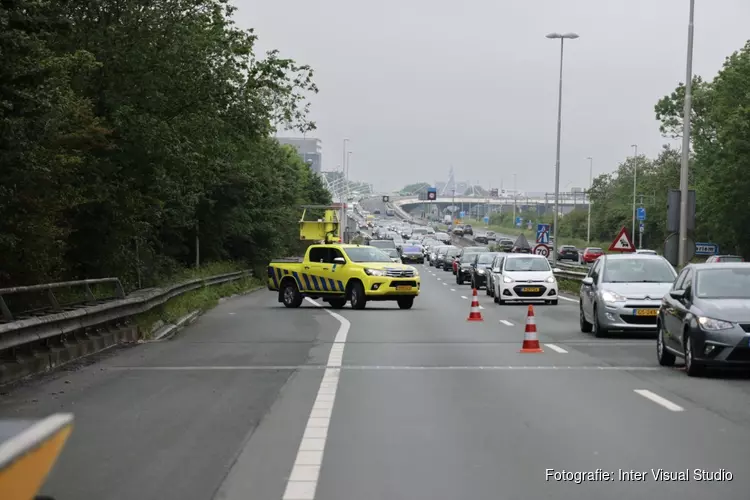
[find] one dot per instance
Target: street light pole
(588, 195)
(635, 185)
(514, 200)
(570, 36)
(342, 221)
(684, 164)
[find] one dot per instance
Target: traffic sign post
(706, 249)
(432, 194)
(386, 199)
(622, 243)
(542, 249)
(641, 214)
(542, 233)
(519, 221)
(486, 220)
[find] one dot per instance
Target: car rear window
(596, 250)
(411, 249)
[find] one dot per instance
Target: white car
(646, 252)
(526, 277)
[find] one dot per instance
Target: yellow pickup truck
(338, 273)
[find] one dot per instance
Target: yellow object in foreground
(28, 450)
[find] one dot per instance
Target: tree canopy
(128, 128)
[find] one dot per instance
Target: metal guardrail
(54, 304)
(25, 331)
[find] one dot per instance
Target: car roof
(629, 255)
(718, 265)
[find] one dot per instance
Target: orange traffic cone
(530, 340)
(475, 315)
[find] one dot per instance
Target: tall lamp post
(562, 38)
(342, 221)
(635, 185)
(515, 194)
(684, 164)
(588, 196)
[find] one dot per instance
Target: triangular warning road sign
(622, 243)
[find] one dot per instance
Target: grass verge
(202, 299)
(569, 286)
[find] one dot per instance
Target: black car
(449, 257)
(463, 269)
(705, 318)
(468, 229)
(440, 255)
(464, 261)
(412, 254)
(481, 268)
(568, 252)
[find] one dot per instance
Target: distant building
(310, 150)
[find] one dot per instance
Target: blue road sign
(432, 194)
(461, 215)
(519, 221)
(486, 220)
(706, 249)
(641, 227)
(640, 213)
(542, 233)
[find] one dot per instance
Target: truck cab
(339, 273)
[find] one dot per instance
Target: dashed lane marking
(303, 480)
(659, 400)
(464, 297)
(453, 289)
(506, 322)
(556, 348)
(446, 284)
(328, 383)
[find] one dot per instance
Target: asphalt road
(417, 404)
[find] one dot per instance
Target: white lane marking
(232, 314)
(326, 394)
(446, 284)
(453, 289)
(567, 298)
(303, 480)
(556, 348)
(464, 297)
(481, 307)
(440, 279)
(506, 322)
(659, 400)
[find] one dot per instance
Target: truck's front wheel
(337, 303)
(357, 296)
(405, 302)
(290, 295)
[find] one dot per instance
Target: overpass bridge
(484, 206)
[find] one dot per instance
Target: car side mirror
(339, 260)
(587, 281)
(677, 294)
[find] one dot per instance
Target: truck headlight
(374, 272)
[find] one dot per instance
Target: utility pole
(685, 161)
(588, 198)
(514, 200)
(635, 180)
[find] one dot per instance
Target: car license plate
(403, 287)
(646, 312)
(530, 289)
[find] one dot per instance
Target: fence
(28, 327)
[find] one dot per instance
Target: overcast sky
(420, 85)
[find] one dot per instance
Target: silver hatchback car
(624, 292)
